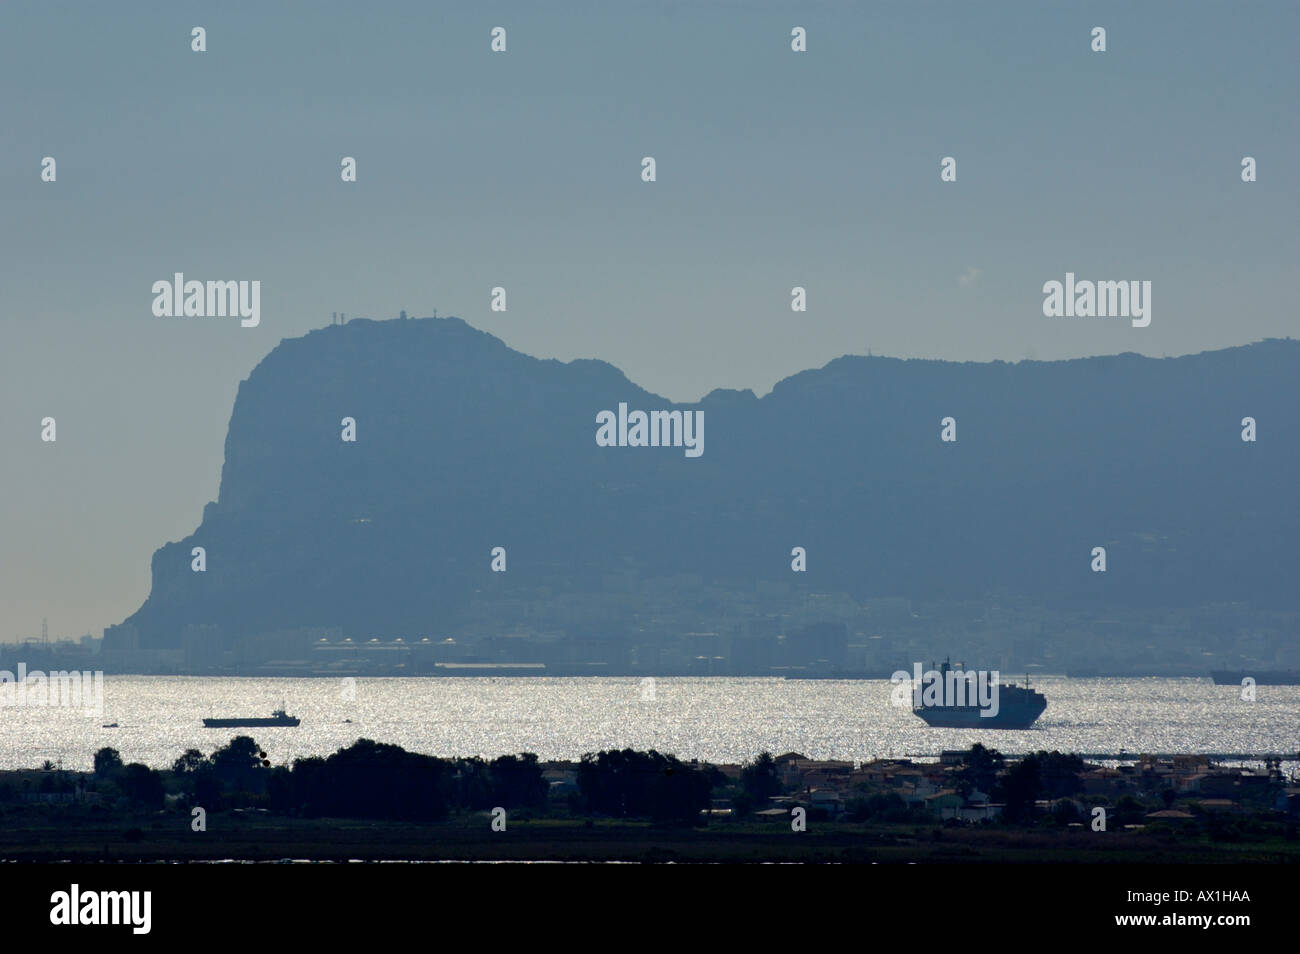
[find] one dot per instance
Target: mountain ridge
(464, 444)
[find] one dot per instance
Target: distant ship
(1276, 677)
(278, 717)
(1018, 708)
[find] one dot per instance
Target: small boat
(278, 717)
(109, 725)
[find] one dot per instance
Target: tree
(1128, 811)
(742, 806)
(142, 784)
(980, 772)
(107, 762)
(517, 781)
(678, 793)
(1065, 812)
(307, 780)
(1020, 789)
(279, 787)
(882, 807)
(760, 780)
(238, 766)
(190, 762)
(471, 784)
(630, 784)
(1060, 774)
(374, 780)
(207, 790)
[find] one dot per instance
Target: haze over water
(714, 719)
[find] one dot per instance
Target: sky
(522, 169)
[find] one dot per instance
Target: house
(978, 808)
(561, 781)
(787, 768)
(1217, 804)
(827, 799)
(945, 804)
(1170, 815)
(796, 772)
(1104, 781)
(1234, 784)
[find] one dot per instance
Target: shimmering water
(716, 719)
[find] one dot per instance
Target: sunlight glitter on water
(714, 719)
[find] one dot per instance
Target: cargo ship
(278, 717)
(1262, 677)
(1018, 707)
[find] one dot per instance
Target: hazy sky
(522, 169)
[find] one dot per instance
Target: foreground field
(65, 836)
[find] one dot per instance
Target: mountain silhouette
(463, 444)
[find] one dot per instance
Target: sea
(715, 719)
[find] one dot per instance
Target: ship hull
(969, 717)
(248, 723)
